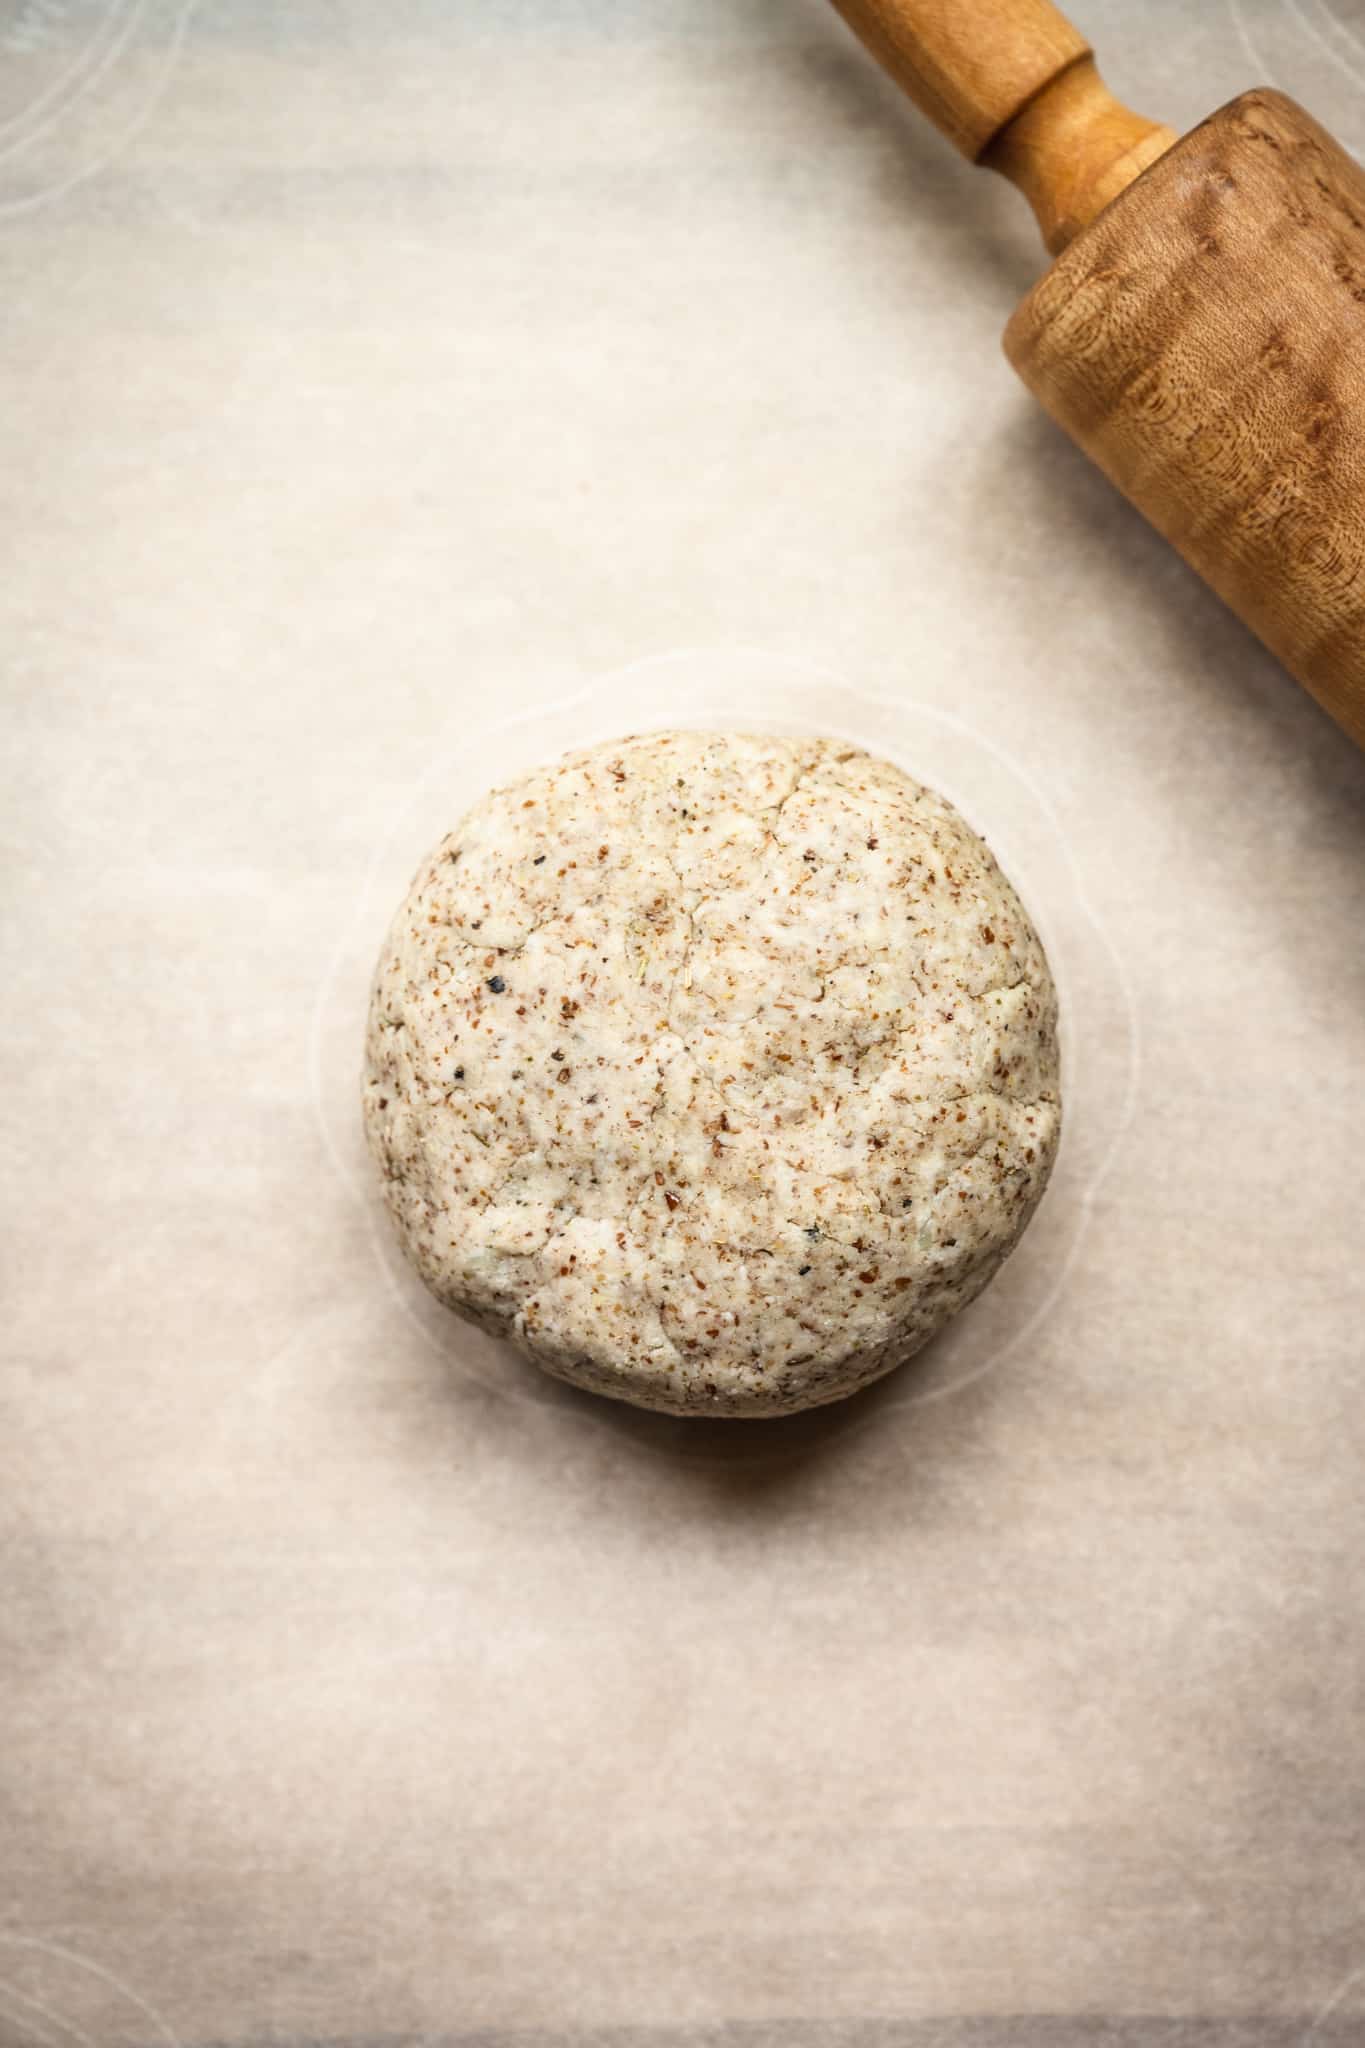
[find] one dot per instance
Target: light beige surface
(367, 371)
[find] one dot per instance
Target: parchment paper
(376, 381)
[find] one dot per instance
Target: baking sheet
(392, 398)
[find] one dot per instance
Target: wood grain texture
(1204, 342)
(1072, 149)
(968, 65)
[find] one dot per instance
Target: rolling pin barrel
(1202, 333)
(1204, 342)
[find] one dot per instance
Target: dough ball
(717, 1072)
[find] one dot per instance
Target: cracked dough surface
(715, 1071)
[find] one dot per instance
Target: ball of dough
(717, 1072)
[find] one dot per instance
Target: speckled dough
(717, 1072)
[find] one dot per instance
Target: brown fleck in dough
(717, 1072)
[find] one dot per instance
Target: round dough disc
(715, 1071)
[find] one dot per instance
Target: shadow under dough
(729, 1468)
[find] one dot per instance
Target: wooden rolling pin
(1201, 334)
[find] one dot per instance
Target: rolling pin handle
(1013, 86)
